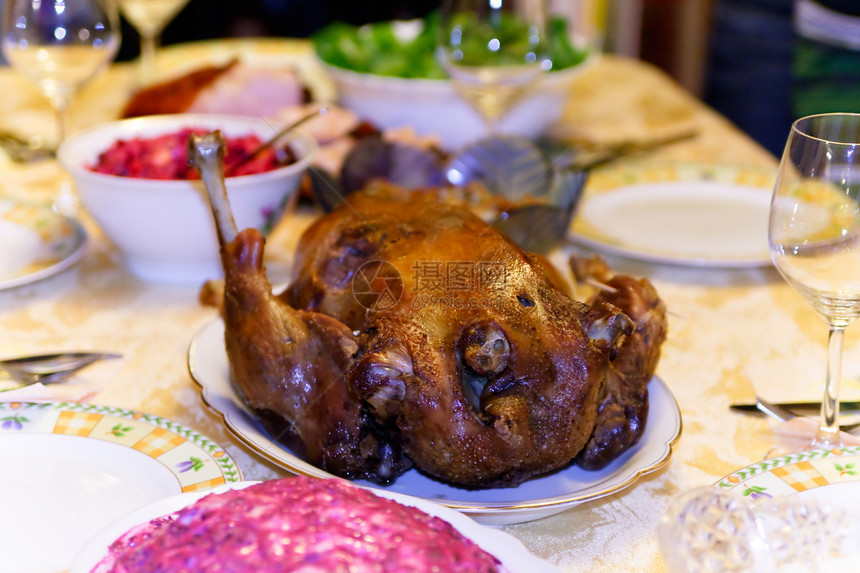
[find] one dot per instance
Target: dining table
(734, 332)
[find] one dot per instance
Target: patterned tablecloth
(732, 332)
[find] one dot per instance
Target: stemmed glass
(60, 45)
(149, 17)
(493, 51)
(814, 235)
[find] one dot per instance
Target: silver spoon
(50, 368)
(273, 140)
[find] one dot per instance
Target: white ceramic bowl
(433, 107)
(164, 229)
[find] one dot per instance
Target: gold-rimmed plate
(534, 499)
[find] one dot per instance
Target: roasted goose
(414, 333)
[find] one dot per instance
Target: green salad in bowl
(388, 74)
(406, 48)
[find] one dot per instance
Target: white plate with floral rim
(680, 214)
(829, 476)
(71, 469)
(506, 548)
(534, 499)
(37, 242)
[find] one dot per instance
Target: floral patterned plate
(680, 214)
(69, 470)
(827, 475)
(37, 242)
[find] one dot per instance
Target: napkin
(73, 389)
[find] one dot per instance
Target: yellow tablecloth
(732, 332)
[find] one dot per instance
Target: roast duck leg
(288, 364)
(623, 402)
(414, 333)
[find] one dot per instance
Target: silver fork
(50, 368)
(21, 150)
(785, 414)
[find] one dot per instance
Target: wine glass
(493, 51)
(149, 17)
(814, 235)
(60, 45)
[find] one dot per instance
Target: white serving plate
(678, 214)
(536, 498)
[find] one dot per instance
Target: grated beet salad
(296, 524)
(165, 156)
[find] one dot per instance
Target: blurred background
(761, 63)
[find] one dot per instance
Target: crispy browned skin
(473, 360)
(175, 95)
(290, 366)
(623, 402)
(488, 383)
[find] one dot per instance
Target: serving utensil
(50, 368)
(543, 194)
(228, 169)
(541, 182)
(587, 155)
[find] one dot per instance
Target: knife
(844, 407)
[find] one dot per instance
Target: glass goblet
(493, 51)
(60, 45)
(814, 235)
(149, 18)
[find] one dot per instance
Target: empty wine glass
(60, 45)
(149, 18)
(814, 235)
(493, 51)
